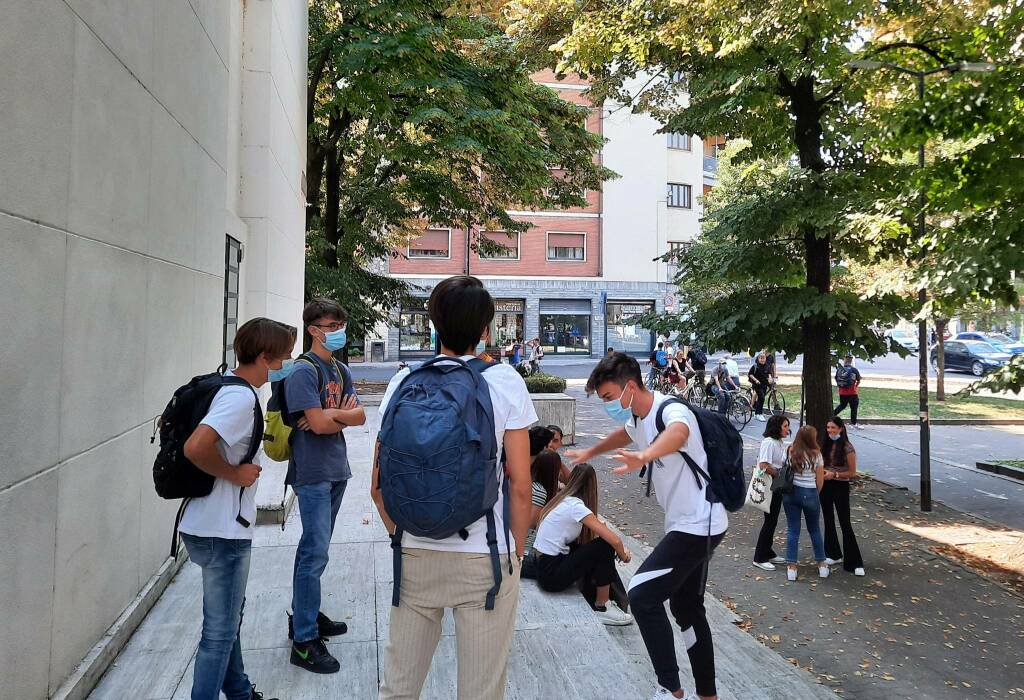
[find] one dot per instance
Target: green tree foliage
(826, 185)
(419, 111)
(777, 74)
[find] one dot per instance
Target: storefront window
(623, 334)
(507, 324)
(566, 334)
(415, 334)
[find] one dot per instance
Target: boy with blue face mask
(676, 570)
(320, 394)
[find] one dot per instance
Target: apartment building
(576, 277)
(151, 200)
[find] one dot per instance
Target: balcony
(711, 165)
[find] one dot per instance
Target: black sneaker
(257, 695)
(326, 627)
(313, 656)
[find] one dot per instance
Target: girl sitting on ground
(808, 476)
(572, 543)
(544, 474)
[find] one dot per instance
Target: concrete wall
(134, 136)
(638, 225)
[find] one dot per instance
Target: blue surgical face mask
(277, 375)
(481, 347)
(616, 411)
(335, 340)
(835, 437)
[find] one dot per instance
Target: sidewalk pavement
(560, 651)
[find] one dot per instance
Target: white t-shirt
(561, 527)
(773, 451)
(513, 410)
(231, 415)
(686, 508)
(806, 478)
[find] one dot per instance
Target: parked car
(907, 339)
(972, 356)
(1000, 341)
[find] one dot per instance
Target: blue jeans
(803, 501)
(225, 565)
(318, 509)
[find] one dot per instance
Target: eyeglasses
(331, 326)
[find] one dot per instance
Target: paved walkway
(559, 650)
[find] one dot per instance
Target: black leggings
(593, 561)
(853, 402)
(764, 551)
(676, 571)
(835, 496)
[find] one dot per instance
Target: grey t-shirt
(317, 458)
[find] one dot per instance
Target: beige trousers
(431, 582)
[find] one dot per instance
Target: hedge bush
(545, 384)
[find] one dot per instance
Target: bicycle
(774, 401)
(737, 407)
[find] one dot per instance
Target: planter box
(1002, 469)
(557, 409)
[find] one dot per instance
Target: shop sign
(634, 309)
(508, 307)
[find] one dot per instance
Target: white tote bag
(759, 493)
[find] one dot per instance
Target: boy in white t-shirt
(457, 572)
(217, 529)
(676, 570)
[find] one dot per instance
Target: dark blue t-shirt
(317, 458)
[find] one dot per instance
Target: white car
(907, 339)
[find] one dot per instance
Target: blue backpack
(438, 458)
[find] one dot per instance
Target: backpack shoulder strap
(659, 421)
(308, 359)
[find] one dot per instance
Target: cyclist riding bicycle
(658, 361)
(721, 384)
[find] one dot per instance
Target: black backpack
(698, 357)
(844, 377)
(174, 476)
(724, 447)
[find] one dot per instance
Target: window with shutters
(680, 196)
(570, 247)
(679, 142)
(232, 265)
(509, 249)
(434, 244)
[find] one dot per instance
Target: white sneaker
(778, 560)
(662, 694)
(766, 565)
(823, 571)
(859, 571)
(614, 615)
(761, 418)
(833, 562)
(791, 574)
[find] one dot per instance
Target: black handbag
(782, 482)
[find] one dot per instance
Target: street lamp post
(922, 295)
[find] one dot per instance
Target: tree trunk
(314, 181)
(332, 204)
(940, 359)
(816, 331)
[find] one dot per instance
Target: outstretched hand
(631, 461)
(577, 456)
